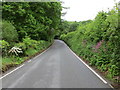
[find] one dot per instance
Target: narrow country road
(57, 67)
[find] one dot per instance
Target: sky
(81, 10)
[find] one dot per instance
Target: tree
(34, 19)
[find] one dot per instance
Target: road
(57, 67)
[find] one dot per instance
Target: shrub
(29, 42)
(8, 32)
(4, 45)
(30, 51)
(21, 45)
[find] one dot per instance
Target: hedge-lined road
(57, 67)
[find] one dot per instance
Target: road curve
(57, 67)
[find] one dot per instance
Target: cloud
(81, 10)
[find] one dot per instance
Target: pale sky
(81, 10)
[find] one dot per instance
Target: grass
(7, 60)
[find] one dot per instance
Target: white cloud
(85, 9)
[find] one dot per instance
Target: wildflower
(98, 45)
(15, 50)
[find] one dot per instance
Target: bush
(33, 45)
(4, 47)
(8, 32)
(30, 51)
(30, 42)
(21, 45)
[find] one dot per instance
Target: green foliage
(98, 41)
(30, 26)
(4, 46)
(33, 45)
(66, 27)
(21, 45)
(29, 42)
(29, 47)
(6, 60)
(73, 26)
(30, 51)
(8, 32)
(33, 19)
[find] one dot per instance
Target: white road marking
(12, 71)
(89, 67)
(111, 86)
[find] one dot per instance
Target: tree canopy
(34, 19)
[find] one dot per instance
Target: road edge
(90, 68)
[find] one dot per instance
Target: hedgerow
(99, 43)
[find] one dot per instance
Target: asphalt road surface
(57, 67)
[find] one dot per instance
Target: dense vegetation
(27, 28)
(36, 20)
(98, 42)
(65, 27)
